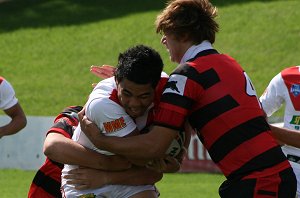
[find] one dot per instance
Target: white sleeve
(7, 95)
(164, 74)
(110, 117)
(273, 97)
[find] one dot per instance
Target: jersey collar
(194, 50)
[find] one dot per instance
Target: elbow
(156, 177)
(49, 148)
(23, 122)
(159, 177)
(20, 123)
(19, 120)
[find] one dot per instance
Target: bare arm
(152, 145)
(287, 136)
(172, 164)
(64, 150)
(85, 178)
(18, 121)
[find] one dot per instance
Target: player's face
(135, 98)
(174, 47)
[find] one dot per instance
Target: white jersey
(7, 95)
(104, 110)
(284, 88)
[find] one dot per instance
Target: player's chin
(135, 114)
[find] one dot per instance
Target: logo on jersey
(176, 84)
(114, 125)
(172, 85)
(295, 89)
(90, 195)
(295, 120)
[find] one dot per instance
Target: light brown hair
(192, 18)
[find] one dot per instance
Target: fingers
(79, 184)
(77, 173)
(104, 71)
(109, 69)
(94, 85)
(77, 178)
(181, 154)
(82, 187)
(171, 165)
(81, 114)
(158, 165)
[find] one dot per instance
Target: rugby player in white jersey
(284, 88)
(122, 106)
(10, 105)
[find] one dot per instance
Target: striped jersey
(213, 92)
(47, 181)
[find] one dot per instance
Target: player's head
(137, 75)
(194, 19)
(188, 21)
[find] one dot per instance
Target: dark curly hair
(139, 64)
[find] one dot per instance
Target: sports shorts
(108, 191)
(279, 185)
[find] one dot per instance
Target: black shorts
(281, 185)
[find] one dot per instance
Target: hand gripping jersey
(105, 110)
(46, 183)
(219, 100)
(7, 95)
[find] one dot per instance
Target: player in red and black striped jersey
(60, 148)
(47, 181)
(216, 96)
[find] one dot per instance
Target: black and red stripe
(47, 181)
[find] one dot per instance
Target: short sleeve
(110, 117)
(273, 97)
(7, 95)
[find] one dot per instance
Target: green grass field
(15, 184)
(48, 46)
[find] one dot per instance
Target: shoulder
(291, 73)
(100, 109)
(106, 84)
(5, 85)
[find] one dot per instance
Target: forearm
(129, 149)
(18, 120)
(134, 176)
(86, 178)
(123, 146)
(151, 145)
(15, 125)
(287, 136)
(66, 151)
